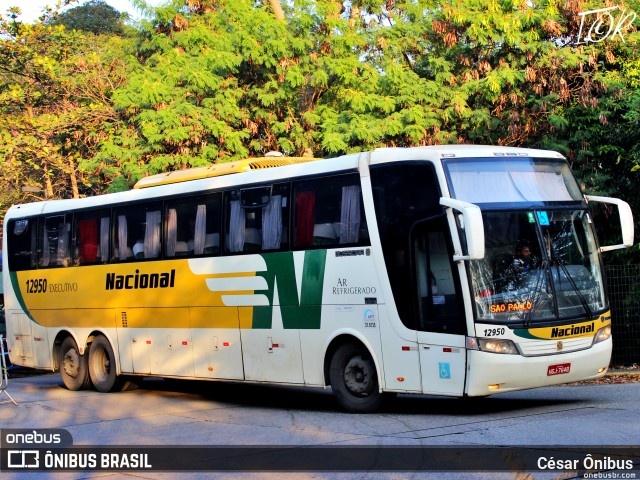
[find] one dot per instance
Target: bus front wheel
(102, 368)
(73, 366)
(354, 379)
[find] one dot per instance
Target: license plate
(559, 369)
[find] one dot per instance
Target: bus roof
(219, 169)
(462, 151)
(274, 160)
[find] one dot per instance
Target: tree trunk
(277, 9)
(48, 188)
(74, 180)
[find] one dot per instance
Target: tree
(333, 79)
(55, 108)
(95, 16)
(209, 84)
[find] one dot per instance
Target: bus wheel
(102, 367)
(73, 366)
(354, 379)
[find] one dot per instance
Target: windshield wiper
(529, 315)
(560, 264)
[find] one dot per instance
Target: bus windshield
(541, 257)
(539, 265)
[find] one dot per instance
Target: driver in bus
(523, 261)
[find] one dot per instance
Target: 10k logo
(601, 19)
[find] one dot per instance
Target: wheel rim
(71, 363)
(358, 376)
(100, 364)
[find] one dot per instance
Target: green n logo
(299, 311)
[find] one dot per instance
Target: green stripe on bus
(16, 288)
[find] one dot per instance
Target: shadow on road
(298, 398)
(317, 399)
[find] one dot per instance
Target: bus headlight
(495, 345)
(603, 334)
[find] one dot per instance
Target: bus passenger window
(258, 218)
(192, 226)
(121, 249)
(275, 219)
(137, 232)
(53, 239)
(88, 240)
(304, 226)
(91, 237)
(22, 244)
(329, 212)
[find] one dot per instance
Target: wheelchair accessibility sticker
(445, 370)
(543, 218)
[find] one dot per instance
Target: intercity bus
(399, 270)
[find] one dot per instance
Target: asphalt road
(203, 413)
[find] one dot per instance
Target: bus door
(441, 322)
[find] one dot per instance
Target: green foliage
(95, 16)
(54, 97)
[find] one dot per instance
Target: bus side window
(275, 219)
(22, 244)
(53, 241)
(329, 212)
(257, 218)
(137, 232)
(192, 226)
(91, 237)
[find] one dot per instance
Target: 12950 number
(37, 285)
(494, 332)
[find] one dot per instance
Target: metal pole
(4, 378)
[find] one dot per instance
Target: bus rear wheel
(354, 379)
(73, 366)
(102, 368)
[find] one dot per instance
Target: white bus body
(381, 272)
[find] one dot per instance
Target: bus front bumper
(491, 373)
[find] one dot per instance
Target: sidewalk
(618, 374)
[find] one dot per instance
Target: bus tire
(354, 379)
(102, 367)
(73, 366)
